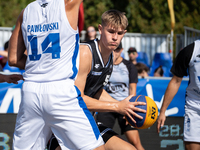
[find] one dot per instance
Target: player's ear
(100, 28)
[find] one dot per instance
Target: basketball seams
(147, 109)
(148, 116)
(137, 98)
(134, 117)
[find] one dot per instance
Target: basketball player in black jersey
(95, 68)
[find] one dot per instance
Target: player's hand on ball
(149, 116)
(160, 121)
(128, 108)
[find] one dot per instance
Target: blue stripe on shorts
(74, 57)
(88, 114)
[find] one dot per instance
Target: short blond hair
(114, 18)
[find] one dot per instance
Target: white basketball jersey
(193, 89)
(52, 44)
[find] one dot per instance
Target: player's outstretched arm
(13, 78)
(170, 92)
(72, 10)
(16, 48)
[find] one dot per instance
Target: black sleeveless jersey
(99, 74)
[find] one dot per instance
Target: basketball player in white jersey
(96, 64)
(51, 103)
(187, 61)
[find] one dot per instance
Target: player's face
(110, 36)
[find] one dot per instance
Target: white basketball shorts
(192, 126)
(54, 107)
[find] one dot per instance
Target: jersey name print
(43, 28)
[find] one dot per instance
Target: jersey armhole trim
(65, 17)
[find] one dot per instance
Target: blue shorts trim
(74, 57)
(88, 114)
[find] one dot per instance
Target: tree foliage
(147, 16)
(10, 10)
(144, 16)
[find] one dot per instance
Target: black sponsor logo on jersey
(198, 55)
(115, 87)
(44, 5)
(197, 59)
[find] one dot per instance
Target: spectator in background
(132, 54)
(122, 83)
(91, 33)
(142, 70)
(4, 56)
(158, 72)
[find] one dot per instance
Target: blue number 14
(51, 44)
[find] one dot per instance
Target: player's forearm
(100, 106)
(16, 48)
(20, 63)
(102, 95)
(171, 91)
(4, 53)
(132, 88)
(2, 78)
